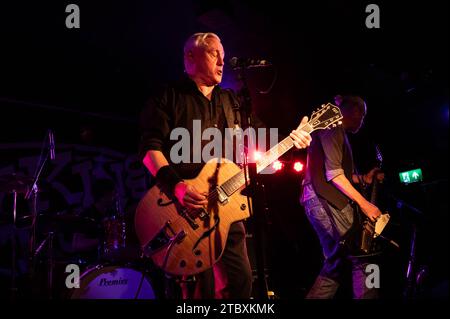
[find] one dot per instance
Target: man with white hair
(198, 97)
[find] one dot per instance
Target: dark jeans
(330, 227)
(231, 276)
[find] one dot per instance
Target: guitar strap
(231, 109)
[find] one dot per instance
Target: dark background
(89, 85)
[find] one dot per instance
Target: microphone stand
(13, 249)
(251, 181)
(410, 287)
(32, 193)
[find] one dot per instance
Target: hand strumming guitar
(189, 197)
(370, 210)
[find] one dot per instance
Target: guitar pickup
(221, 196)
(185, 214)
(203, 214)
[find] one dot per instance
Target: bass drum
(114, 282)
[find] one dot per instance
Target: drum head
(114, 282)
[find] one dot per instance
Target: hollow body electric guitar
(184, 242)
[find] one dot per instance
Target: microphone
(51, 141)
(248, 63)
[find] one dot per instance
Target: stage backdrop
(66, 182)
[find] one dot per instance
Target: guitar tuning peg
(340, 122)
(334, 125)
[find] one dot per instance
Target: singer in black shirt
(198, 97)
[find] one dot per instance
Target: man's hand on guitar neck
(301, 139)
(367, 179)
(189, 197)
(374, 172)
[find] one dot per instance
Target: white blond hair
(198, 40)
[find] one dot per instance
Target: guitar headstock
(327, 116)
(378, 155)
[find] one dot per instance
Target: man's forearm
(344, 185)
(167, 176)
(154, 160)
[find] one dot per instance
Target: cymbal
(15, 182)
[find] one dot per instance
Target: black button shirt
(176, 106)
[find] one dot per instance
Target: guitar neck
(374, 194)
(238, 180)
(278, 150)
(375, 186)
(375, 181)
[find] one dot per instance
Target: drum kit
(111, 266)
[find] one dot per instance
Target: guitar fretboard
(238, 180)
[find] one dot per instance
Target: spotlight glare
(257, 156)
(298, 167)
(277, 165)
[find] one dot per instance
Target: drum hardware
(115, 234)
(114, 282)
(31, 191)
(14, 184)
(46, 251)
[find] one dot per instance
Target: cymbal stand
(13, 249)
(49, 241)
(49, 146)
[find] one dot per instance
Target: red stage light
(277, 165)
(298, 167)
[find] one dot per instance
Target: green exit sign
(412, 176)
